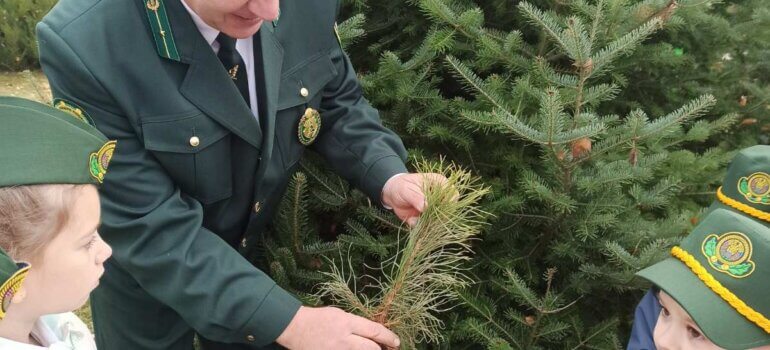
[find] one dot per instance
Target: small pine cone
(748, 121)
(529, 320)
(633, 156)
(586, 67)
(315, 263)
(668, 11)
(694, 220)
(581, 147)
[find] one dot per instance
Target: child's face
(71, 264)
(675, 329)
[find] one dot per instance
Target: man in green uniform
(212, 104)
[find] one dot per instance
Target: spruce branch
(351, 30)
(623, 45)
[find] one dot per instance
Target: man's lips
(247, 18)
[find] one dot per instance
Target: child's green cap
(12, 274)
(746, 187)
(40, 144)
(720, 275)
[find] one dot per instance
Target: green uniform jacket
(173, 211)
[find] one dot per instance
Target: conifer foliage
(562, 109)
(421, 278)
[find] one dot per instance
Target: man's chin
(243, 30)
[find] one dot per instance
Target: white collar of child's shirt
(56, 332)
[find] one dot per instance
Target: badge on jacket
(309, 126)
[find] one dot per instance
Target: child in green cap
(712, 293)
(51, 255)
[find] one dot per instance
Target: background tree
(600, 126)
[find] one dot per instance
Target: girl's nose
(105, 251)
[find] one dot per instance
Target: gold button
(195, 141)
(257, 207)
(304, 92)
(250, 338)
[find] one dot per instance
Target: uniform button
(250, 338)
(243, 243)
(304, 92)
(257, 207)
(195, 141)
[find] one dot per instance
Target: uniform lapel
(268, 59)
(207, 84)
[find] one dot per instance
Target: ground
(27, 84)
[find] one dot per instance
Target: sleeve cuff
(271, 318)
(379, 173)
(383, 190)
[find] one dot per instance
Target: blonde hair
(31, 216)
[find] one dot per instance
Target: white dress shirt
(245, 48)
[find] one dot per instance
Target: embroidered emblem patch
(100, 161)
(74, 110)
(729, 253)
(11, 287)
(756, 188)
(309, 126)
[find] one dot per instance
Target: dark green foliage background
(18, 47)
(554, 269)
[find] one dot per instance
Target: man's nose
(265, 9)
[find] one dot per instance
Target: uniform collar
(209, 33)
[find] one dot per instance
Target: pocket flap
(185, 135)
(313, 75)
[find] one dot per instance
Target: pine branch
(420, 280)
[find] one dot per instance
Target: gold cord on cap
(746, 209)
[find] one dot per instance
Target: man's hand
(329, 328)
(404, 194)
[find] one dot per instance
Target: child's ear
(19, 296)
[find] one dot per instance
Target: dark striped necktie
(234, 64)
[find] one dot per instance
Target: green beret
(40, 144)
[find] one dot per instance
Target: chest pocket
(312, 75)
(195, 151)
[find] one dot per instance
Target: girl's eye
(664, 311)
(91, 242)
(694, 333)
